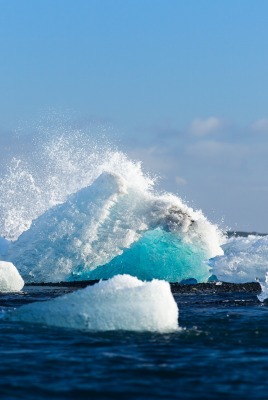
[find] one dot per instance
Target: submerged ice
(96, 215)
(121, 303)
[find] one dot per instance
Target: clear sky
(183, 83)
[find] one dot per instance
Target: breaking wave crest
(80, 210)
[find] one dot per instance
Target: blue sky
(183, 84)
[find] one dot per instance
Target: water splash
(58, 166)
(77, 207)
(264, 289)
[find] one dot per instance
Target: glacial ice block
(120, 303)
(114, 226)
(244, 260)
(10, 279)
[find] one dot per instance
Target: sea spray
(91, 210)
(120, 228)
(57, 167)
(264, 289)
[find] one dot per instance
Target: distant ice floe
(245, 259)
(10, 279)
(121, 303)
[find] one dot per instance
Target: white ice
(10, 279)
(245, 259)
(120, 303)
(98, 222)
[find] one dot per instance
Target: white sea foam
(121, 303)
(10, 279)
(244, 260)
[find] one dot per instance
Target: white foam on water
(245, 259)
(120, 303)
(10, 279)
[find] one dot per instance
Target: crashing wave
(111, 227)
(92, 215)
(264, 290)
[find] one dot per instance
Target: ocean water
(221, 351)
(75, 211)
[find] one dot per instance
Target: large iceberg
(10, 279)
(121, 303)
(115, 226)
(86, 211)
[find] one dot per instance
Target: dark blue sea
(220, 352)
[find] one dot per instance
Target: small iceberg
(120, 303)
(10, 279)
(244, 260)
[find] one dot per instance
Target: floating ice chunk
(120, 303)
(10, 279)
(244, 260)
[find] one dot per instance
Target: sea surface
(220, 352)
(77, 210)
